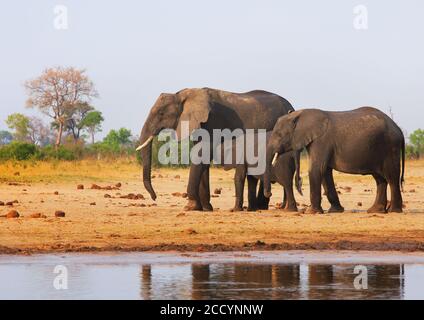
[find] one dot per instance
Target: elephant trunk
(267, 174)
(298, 178)
(146, 156)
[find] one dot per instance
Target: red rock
(1, 203)
(35, 215)
(12, 214)
(359, 204)
(217, 191)
(56, 193)
(59, 214)
(80, 187)
(107, 196)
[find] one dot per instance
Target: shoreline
(344, 246)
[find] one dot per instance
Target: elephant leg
(204, 190)
(315, 179)
(291, 205)
(380, 202)
(284, 200)
(252, 184)
(331, 193)
(193, 188)
(263, 202)
(239, 179)
(395, 193)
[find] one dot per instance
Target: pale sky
(307, 51)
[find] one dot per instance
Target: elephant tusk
(145, 143)
(274, 160)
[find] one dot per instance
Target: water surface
(256, 275)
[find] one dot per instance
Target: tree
(92, 122)
(19, 123)
(57, 92)
(75, 123)
(416, 139)
(117, 139)
(38, 132)
(5, 137)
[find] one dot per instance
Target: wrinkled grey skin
(285, 168)
(362, 141)
(209, 109)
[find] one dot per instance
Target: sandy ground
(95, 223)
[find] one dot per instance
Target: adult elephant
(208, 109)
(361, 141)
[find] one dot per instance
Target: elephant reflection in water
(253, 281)
(245, 281)
(334, 281)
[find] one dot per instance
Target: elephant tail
(298, 178)
(402, 178)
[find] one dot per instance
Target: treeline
(64, 95)
(117, 144)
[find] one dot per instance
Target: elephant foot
(236, 209)
(290, 209)
(193, 205)
(311, 210)
(397, 209)
(252, 208)
(263, 207)
(207, 207)
(377, 209)
(336, 209)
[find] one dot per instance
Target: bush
(62, 153)
(18, 151)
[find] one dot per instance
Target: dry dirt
(100, 220)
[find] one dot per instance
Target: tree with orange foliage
(57, 93)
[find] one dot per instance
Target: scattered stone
(184, 195)
(217, 191)
(1, 203)
(133, 196)
(181, 214)
(118, 185)
(359, 204)
(9, 203)
(12, 214)
(191, 231)
(347, 189)
(80, 187)
(260, 243)
(108, 188)
(59, 214)
(35, 215)
(56, 193)
(107, 196)
(412, 191)
(214, 196)
(177, 176)
(92, 204)
(17, 173)
(177, 194)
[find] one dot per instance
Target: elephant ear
(196, 107)
(309, 125)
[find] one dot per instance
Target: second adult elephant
(361, 141)
(208, 109)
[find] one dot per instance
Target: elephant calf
(286, 166)
(361, 141)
